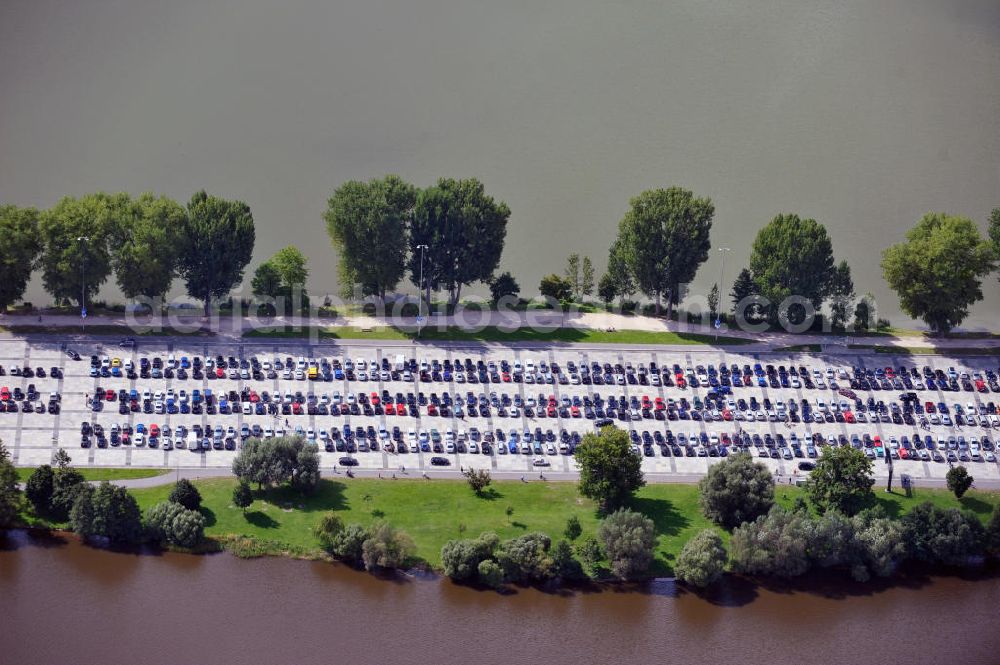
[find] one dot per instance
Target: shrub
(702, 559)
(186, 494)
(772, 545)
(461, 558)
(526, 558)
(39, 488)
(573, 528)
(629, 539)
(938, 535)
(490, 573)
(959, 481)
(386, 547)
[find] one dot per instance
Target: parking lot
(773, 435)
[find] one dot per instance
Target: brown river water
(63, 602)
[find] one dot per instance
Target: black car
(72, 354)
(348, 461)
(440, 461)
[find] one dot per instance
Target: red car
(390, 409)
(375, 400)
(505, 377)
(4, 393)
(660, 405)
(679, 380)
(552, 411)
(220, 373)
(109, 395)
(154, 430)
(254, 397)
(929, 407)
(849, 417)
(297, 409)
(432, 410)
(574, 411)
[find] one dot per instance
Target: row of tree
(146, 242)
(449, 235)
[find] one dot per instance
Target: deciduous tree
(368, 223)
(842, 480)
(664, 238)
(242, 496)
(461, 558)
(68, 263)
(736, 490)
(792, 256)
(942, 535)
(386, 547)
(464, 229)
(503, 285)
(554, 286)
(216, 244)
(841, 295)
(772, 545)
(586, 277)
(478, 479)
(21, 247)
(609, 471)
(702, 560)
(39, 488)
(937, 272)
(572, 274)
(629, 539)
(145, 241)
(186, 494)
(959, 481)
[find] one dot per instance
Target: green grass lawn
(103, 329)
(100, 474)
(494, 334)
(433, 512)
(928, 350)
(800, 348)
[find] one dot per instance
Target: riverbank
(280, 522)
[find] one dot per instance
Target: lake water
(63, 602)
(863, 115)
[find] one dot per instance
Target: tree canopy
(629, 539)
(145, 243)
(215, 246)
(937, 272)
(283, 459)
(368, 224)
(503, 285)
(663, 239)
(556, 287)
(702, 560)
(736, 490)
(464, 230)
(792, 256)
(610, 472)
(21, 247)
(66, 261)
(842, 480)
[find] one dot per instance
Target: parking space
(191, 403)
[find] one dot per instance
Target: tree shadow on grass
(209, 515)
(262, 520)
(490, 494)
(329, 495)
(518, 525)
(976, 505)
(666, 519)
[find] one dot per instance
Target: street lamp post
(420, 297)
(722, 277)
(83, 282)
